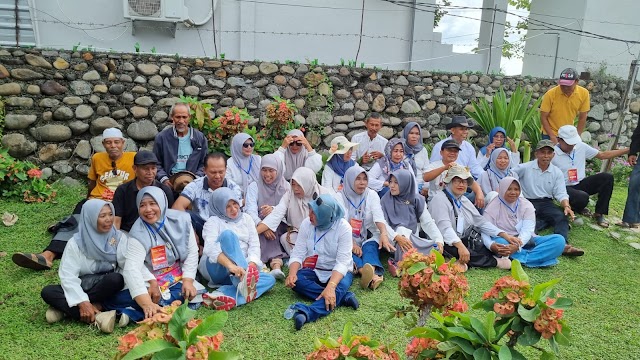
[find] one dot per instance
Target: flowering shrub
(198, 110)
(421, 346)
(22, 179)
(280, 120)
(222, 129)
(174, 334)
(351, 347)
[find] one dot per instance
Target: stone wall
(58, 103)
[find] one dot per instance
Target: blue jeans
(545, 251)
(370, 255)
(198, 223)
(309, 286)
(221, 275)
(124, 304)
(632, 206)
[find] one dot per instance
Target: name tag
(356, 226)
(159, 257)
(310, 262)
(572, 175)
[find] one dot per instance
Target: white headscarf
(249, 165)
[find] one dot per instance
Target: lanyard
(315, 237)
(572, 156)
(458, 203)
(250, 165)
(514, 211)
(394, 168)
(153, 231)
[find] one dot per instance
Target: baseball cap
(544, 143)
(568, 77)
(145, 157)
(112, 133)
(450, 144)
(569, 134)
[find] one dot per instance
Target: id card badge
(356, 226)
(572, 175)
(159, 257)
(340, 187)
(310, 262)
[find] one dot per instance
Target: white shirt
(332, 246)
(279, 213)
(437, 184)
(330, 179)
(576, 159)
(234, 173)
(199, 193)
(313, 162)
(377, 177)
(466, 157)
(538, 184)
(422, 164)
(426, 223)
(367, 145)
(251, 203)
(373, 214)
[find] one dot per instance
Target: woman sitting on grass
(320, 264)
(499, 167)
(517, 216)
(393, 160)
(365, 216)
(231, 256)
(243, 167)
(338, 162)
(86, 271)
(262, 197)
(498, 140)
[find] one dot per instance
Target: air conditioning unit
(156, 10)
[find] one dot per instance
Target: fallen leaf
(3, 253)
(9, 219)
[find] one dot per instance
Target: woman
(162, 240)
(496, 140)
(333, 173)
(461, 224)
(403, 208)
(296, 152)
(294, 206)
(262, 197)
(498, 168)
(516, 215)
(231, 256)
(365, 215)
(393, 160)
(86, 271)
(320, 264)
(243, 167)
(416, 153)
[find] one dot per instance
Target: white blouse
(427, 224)
(330, 179)
(422, 164)
(235, 173)
(251, 203)
(279, 212)
(373, 214)
(245, 229)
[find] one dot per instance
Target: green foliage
(350, 347)
(2, 114)
(22, 180)
(153, 50)
(198, 110)
(440, 13)
(137, 47)
(75, 47)
(222, 56)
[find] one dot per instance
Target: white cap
(569, 134)
(112, 133)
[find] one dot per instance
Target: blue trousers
(124, 304)
(548, 214)
(309, 286)
(370, 255)
(545, 252)
(198, 223)
(632, 206)
(221, 275)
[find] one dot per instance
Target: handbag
(471, 237)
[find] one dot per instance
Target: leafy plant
(2, 113)
(198, 110)
(221, 129)
(351, 347)
(137, 47)
(22, 179)
(153, 50)
(222, 56)
(75, 47)
(175, 334)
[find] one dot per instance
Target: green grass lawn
(603, 285)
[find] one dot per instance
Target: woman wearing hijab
(262, 197)
(461, 224)
(498, 139)
(393, 160)
(498, 168)
(416, 154)
(333, 174)
(320, 264)
(365, 215)
(86, 270)
(231, 256)
(294, 206)
(162, 240)
(243, 167)
(406, 213)
(296, 152)
(516, 215)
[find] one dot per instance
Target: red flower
(34, 173)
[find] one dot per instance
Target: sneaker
(278, 274)
(393, 268)
(124, 320)
(299, 320)
(503, 263)
(53, 315)
(218, 301)
(351, 300)
(366, 275)
(249, 282)
(106, 321)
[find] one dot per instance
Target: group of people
(157, 223)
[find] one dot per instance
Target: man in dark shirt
(124, 200)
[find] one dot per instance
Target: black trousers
(548, 214)
(57, 246)
(601, 184)
(98, 290)
(480, 257)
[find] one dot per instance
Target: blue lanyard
(514, 211)
(394, 168)
(457, 202)
(153, 231)
(250, 165)
(497, 175)
(315, 239)
(572, 156)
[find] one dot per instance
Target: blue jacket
(165, 148)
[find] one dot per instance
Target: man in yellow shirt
(562, 103)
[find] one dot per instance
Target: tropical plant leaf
(529, 315)
(529, 336)
(148, 348)
(562, 303)
(180, 318)
(210, 326)
(504, 353)
(481, 354)
(540, 290)
(489, 320)
(224, 355)
(465, 345)
(174, 353)
(439, 258)
(517, 272)
(419, 266)
(561, 338)
(346, 333)
(478, 327)
(424, 332)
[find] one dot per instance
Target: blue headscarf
(338, 165)
(219, 200)
(493, 133)
(327, 211)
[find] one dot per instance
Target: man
(108, 170)
(180, 147)
(124, 201)
(198, 193)
(371, 143)
(562, 103)
(541, 183)
(570, 157)
(459, 128)
(631, 216)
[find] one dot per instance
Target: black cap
(450, 144)
(145, 157)
(460, 120)
(568, 76)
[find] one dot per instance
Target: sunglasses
(295, 143)
(248, 145)
(115, 170)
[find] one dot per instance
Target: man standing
(371, 143)
(459, 128)
(541, 183)
(562, 103)
(570, 157)
(124, 201)
(198, 193)
(631, 216)
(180, 147)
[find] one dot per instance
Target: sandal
(601, 221)
(628, 225)
(31, 261)
(586, 212)
(572, 251)
(367, 272)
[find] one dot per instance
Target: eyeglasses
(295, 143)
(457, 181)
(248, 145)
(115, 170)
